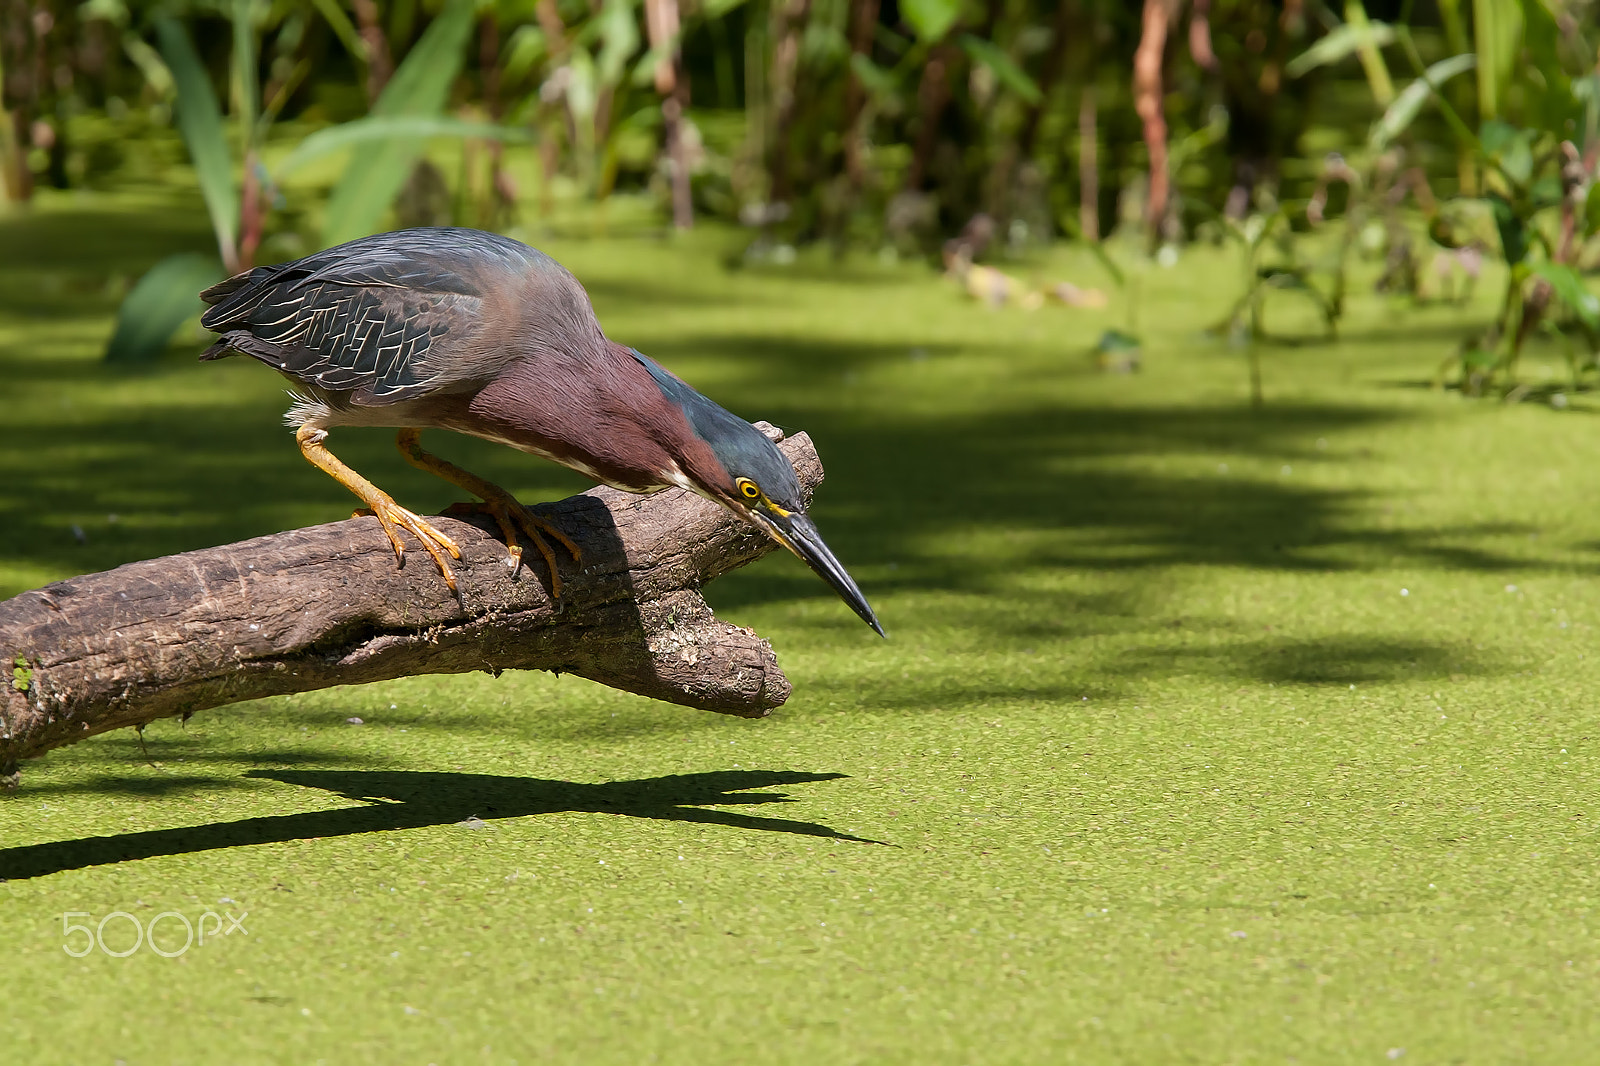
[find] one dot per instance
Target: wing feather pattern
(378, 318)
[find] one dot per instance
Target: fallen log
(323, 606)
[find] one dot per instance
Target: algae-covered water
(1202, 733)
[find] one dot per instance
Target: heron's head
(756, 483)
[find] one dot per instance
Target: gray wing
(378, 317)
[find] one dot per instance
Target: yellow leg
(379, 504)
(508, 514)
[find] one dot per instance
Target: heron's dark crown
(742, 449)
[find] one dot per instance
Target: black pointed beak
(799, 534)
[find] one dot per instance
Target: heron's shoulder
(469, 252)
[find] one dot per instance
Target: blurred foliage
(882, 125)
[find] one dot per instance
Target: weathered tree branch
(312, 608)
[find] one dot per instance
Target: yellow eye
(749, 488)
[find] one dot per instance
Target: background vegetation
(975, 128)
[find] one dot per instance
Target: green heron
(477, 333)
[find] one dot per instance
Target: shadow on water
(1335, 661)
(399, 799)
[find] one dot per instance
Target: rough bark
(324, 606)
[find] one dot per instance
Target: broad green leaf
(200, 122)
(715, 9)
(986, 53)
(1513, 232)
(1404, 110)
(931, 19)
(1497, 38)
(1340, 44)
(420, 86)
(1570, 290)
(377, 128)
(167, 295)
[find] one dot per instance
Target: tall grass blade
(420, 87)
(1497, 37)
(1340, 44)
(1404, 110)
(200, 123)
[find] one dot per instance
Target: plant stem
(1253, 356)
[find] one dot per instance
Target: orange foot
(435, 543)
(512, 517)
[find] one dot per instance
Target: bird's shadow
(407, 799)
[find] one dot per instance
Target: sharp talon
(390, 514)
(508, 514)
(511, 517)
